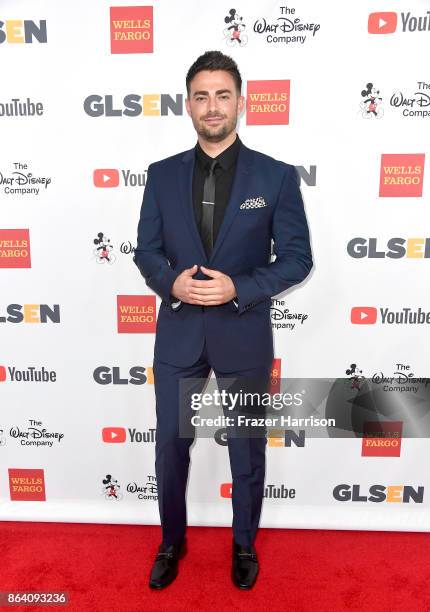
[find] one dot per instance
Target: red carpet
(105, 568)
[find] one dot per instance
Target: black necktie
(208, 204)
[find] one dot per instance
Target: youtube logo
(226, 490)
(106, 177)
(382, 23)
(113, 434)
(363, 315)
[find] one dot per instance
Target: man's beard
(218, 134)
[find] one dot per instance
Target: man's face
(214, 104)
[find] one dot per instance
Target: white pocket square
(254, 203)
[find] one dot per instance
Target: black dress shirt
(224, 175)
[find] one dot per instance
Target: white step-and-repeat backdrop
(92, 93)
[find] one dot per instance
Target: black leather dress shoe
(165, 568)
(244, 569)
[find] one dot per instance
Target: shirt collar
(226, 159)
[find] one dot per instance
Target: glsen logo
(30, 374)
(271, 491)
(363, 315)
(382, 439)
(401, 175)
(402, 494)
(136, 314)
(16, 108)
(285, 438)
(17, 31)
(15, 248)
(268, 103)
(26, 484)
(131, 29)
(415, 248)
(113, 434)
(382, 23)
(32, 313)
(110, 178)
(308, 177)
(134, 105)
(137, 375)
(276, 438)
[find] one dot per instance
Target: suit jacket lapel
(237, 195)
(185, 178)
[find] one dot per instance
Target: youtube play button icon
(382, 23)
(106, 177)
(114, 434)
(363, 315)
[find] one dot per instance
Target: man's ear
(240, 105)
(187, 106)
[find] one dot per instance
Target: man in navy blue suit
(207, 222)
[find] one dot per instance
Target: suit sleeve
(293, 262)
(149, 255)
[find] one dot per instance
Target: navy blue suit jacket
(168, 241)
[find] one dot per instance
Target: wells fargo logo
(401, 175)
(275, 376)
(15, 248)
(131, 29)
(268, 103)
(382, 439)
(136, 314)
(26, 484)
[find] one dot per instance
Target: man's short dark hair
(214, 60)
